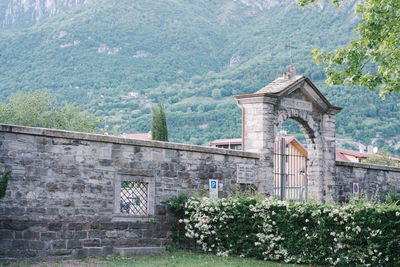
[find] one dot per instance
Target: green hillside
(116, 58)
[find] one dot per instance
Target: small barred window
(134, 198)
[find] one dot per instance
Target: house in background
(293, 146)
(140, 136)
(351, 155)
(234, 144)
(356, 156)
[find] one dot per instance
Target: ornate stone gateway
(291, 97)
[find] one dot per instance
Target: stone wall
(63, 198)
(371, 178)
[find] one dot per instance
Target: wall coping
(367, 166)
(17, 129)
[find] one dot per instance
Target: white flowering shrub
(356, 234)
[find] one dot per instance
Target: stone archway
(291, 97)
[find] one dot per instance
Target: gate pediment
(296, 92)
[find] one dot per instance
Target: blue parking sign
(213, 187)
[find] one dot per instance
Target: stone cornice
(16, 129)
(367, 166)
(257, 98)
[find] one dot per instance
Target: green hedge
(355, 234)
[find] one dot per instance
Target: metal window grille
(134, 198)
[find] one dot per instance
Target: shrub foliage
(354, 234)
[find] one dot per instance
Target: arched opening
(293, 140)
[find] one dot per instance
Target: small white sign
(213, 187)
(356, 191)
(245, 174)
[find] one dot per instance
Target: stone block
(5, 244)
(24, 253)
(97, 234)
(97, 251)
(16, 225)
(60, 252)
(80, 235)
(6, 234)
(55, 226)
(108, 250)
(30, 235)
(36, 245)
(160, 210)
(19, 244)
(91, 243)
(79, 188)
(78, 226)
(47, 236)
(106, 162)
(18, 235)
(58, 244)
(131, 234)
(74, 244)
(138, 225)
(95, 189)
(121, 225)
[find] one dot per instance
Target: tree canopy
(159, 129)
(383, 158)
(40, 109)
(373, 59)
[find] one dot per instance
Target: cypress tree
(159, 129)
(155, 124)
(163, 122)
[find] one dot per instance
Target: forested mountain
(117, 58)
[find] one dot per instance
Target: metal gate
(290, 171)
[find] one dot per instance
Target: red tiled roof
(341, 157)
(353, 153)
(341, 154)
(141, 136)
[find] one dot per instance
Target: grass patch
(167, 259)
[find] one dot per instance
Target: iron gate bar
(290, 172)
(283, 165)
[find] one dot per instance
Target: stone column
(259, 136)
(329, 155)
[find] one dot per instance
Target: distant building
(355, 156)
(293, 146)
(234, 144)
(140, 136)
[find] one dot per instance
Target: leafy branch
(377, 46)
